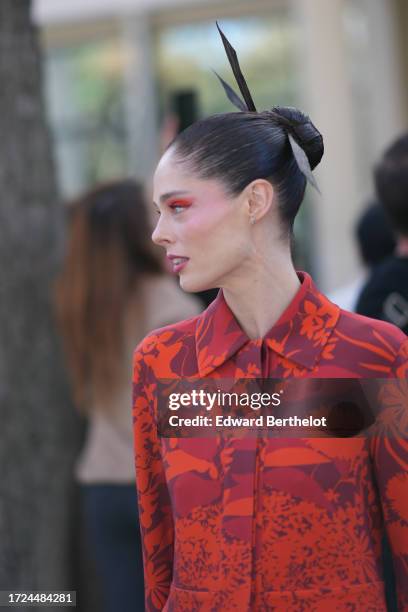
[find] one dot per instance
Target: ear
(260, 194)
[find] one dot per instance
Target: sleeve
(156, 523)
(390, 460)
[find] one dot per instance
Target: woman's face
(200, 223)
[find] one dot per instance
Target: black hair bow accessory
(247, 104)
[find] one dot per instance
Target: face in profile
(205, 231)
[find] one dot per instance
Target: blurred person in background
(375, 242)
(385, 296)
(111, 291)
(385, 293)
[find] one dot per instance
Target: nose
(161, 233)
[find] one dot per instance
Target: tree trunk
(40, 431)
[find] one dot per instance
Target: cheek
(218, 243)
(201, 230)
(221, 235)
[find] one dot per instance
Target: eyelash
(173, 206)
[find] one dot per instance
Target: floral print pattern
(258, 524)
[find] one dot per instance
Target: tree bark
(40, 431)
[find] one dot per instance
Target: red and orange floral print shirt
(270, 524)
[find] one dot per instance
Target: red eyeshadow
(180, 202)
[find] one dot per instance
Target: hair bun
(302, 129)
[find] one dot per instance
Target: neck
(261, 294)
(402, 246)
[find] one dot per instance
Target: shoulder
(167, 351)
(168, 334)
(385, 343)
(366, 328)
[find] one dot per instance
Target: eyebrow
(170, 194)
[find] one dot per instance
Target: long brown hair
(108, 249)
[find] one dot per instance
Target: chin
(191, 285)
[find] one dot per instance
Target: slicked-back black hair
(238, 148)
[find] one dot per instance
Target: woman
(111, 292)
(255, 523)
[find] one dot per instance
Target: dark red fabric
(271, 524)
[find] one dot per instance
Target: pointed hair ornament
(239, 77)
(248, 105)
(231, 95)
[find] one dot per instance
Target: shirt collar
(300, 334)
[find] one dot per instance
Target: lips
(178, 262)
